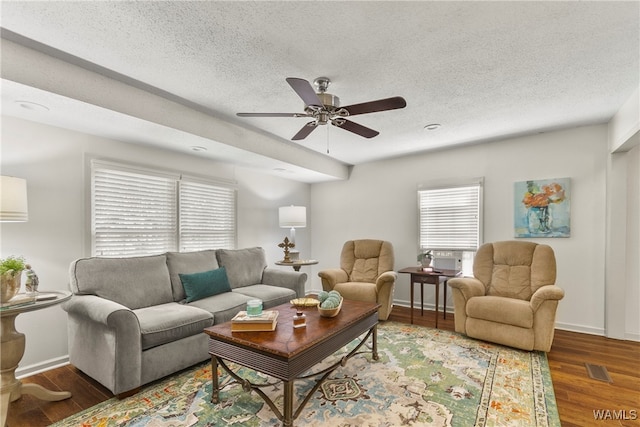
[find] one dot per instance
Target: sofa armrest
(388, 278)
(545, 293)
(469, 286)
(286, 279)
(104, 341)
(331, 277)
(103, 311)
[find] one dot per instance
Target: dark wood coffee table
(288, 353)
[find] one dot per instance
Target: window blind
(139, 211)
(450, 217)
(207, 216)
(132, 213)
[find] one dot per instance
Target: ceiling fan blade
(305, 131)
(355, 128)
(375, 106)
(305, 91)
(271, 115)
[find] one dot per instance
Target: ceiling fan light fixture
(325, 108)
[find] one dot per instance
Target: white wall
(623, 223)
(380, 201)
(53, 161)
(632, 249)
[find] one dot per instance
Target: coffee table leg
(287, 416)
(374, 342)
(215, 392)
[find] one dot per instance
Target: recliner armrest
(544, 293)
(333, 276)
(469, 286)
(388, 278)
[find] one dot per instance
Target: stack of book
(267, 321)
(19, 300)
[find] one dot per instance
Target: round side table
(297, 263)
(13, 342)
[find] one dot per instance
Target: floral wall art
(542, 208)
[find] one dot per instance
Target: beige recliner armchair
(512, 298)
(365, 274)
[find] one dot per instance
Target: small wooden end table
(419, 275)
(296, 264)
(13, 342)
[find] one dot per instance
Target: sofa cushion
(223, 306)
(244, 266)
(270, 295)
(205, 284)
(188, 262)
(134, 282)
(495, 309)
(165, 323)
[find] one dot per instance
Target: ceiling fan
(325, 108)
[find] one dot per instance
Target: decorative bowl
(304, 302)
(330, 312)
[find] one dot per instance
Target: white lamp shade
(293, 216)
(13, 199)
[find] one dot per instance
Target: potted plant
(10, 275)
(425, 258)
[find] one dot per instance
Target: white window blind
(135, 211)
(207, 216)
(133, 214)
(450, 217)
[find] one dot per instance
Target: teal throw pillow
(205, 284)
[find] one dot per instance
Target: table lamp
(13, 199)
(293, 217)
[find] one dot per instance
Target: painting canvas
(542, 208)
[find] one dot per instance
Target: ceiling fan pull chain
(328, 139)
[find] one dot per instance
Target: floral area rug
(424, 377)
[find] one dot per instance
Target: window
(137, 211)
(451, 218)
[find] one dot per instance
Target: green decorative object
(332, 300)
(10, 276)
(425, 258)
(323, 295)
(330, 303)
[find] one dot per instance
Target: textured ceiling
(483, 70)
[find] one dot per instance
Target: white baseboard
(580, 328)
(632, 337)
(46, 365)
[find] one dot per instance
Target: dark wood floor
(578, 396)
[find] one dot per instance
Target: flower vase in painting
(542, 208)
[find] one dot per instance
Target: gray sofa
(129, 321)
